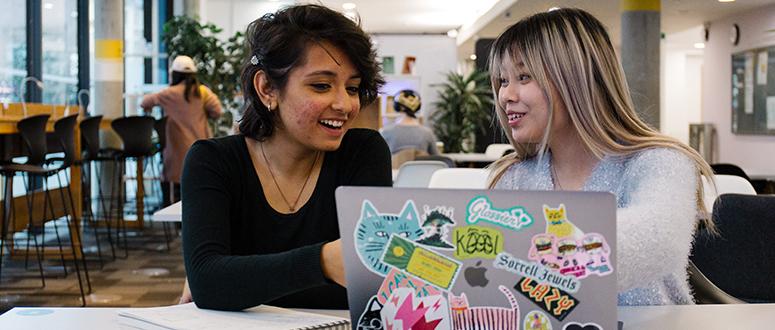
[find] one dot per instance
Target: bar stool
(136, 135)
(92, 155)
(33, 133)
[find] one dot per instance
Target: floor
(149, 276)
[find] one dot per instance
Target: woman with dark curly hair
(259, 218)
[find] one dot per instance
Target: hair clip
(254, 60)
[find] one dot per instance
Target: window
(59, 58)
(13, 49)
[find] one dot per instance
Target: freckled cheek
(308, 113)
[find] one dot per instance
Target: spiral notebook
(188, 316)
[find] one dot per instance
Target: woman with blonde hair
(564, 102)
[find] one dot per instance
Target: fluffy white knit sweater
(656, 214)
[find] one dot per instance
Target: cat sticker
(371, 319)
(465, 317)
(558, 224)
(404, 311)
(435, 223)
(373, 231)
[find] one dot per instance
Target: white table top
(172, 213)
(745, 316)
(471, 157)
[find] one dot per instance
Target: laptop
(478, 259)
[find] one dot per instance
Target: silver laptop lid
(478, 259)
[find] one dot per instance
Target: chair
(417, 174)
(739, 260)
(729, 169)
(450, 163)
(460, 178)
(402, 156)
(498, 149)
(91, 155)
(725, 184)
(33, 133)
(136, 133)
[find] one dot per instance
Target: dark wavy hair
(279, 42)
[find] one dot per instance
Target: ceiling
(488, 18)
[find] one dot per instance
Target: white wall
(680, 85)
(235, 15)
(753, 153)
(436, 55)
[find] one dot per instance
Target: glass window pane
(60, 51)
(13, 49)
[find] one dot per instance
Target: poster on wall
(753, 92)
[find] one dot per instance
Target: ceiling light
(348, 6)
(699, 45)
(726, 0)
(452, 33)
(472, 57)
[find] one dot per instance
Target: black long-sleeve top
(239, 252)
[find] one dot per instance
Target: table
(172, 213)
(744, 316)
(74, 318)
(471, 157)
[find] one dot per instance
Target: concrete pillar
(108, 74)
(640, 55)
(191, 8)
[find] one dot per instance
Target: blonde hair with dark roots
(569, 50)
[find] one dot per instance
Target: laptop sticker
(536, 271)
(536, 320)
(397, 279)
(543, 249)
(371, 319)
(481, 209)
(597, 253)
(404, 311)
(580, 258)
(434, 223)
(465, 317)
(557, 223)
(579, 326)
(476, 275)
(373, 231)
(477, 242)
(554, 301)
(427, 265)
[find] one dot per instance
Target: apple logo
(475, 276)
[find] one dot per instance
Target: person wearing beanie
(187, 105)
(407, 132)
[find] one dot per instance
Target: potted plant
(219, 62)
(464, 110)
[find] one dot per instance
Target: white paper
(771, 112)
(749, 71)
(761, 69)
(188, 316)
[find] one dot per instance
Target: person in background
(565, 105)
(187, 105)
(407, 132)
(259, 218)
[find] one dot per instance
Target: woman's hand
(332, 263)
(186, 296)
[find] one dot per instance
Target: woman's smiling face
(320, 100)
